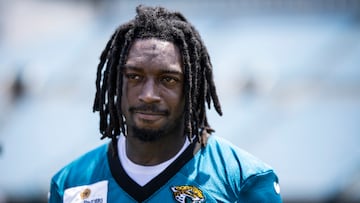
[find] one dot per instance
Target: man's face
(153, 98)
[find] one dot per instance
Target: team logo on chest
(186, 192)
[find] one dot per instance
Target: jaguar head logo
(185, 193)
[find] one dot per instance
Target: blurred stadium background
(288, 75)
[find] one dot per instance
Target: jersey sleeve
(262, 187)
(54, 196)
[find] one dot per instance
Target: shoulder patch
(94, 193)
(187, 192)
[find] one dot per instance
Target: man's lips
(160, 113)
(149, 115)
(148, 112)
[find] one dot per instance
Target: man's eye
(133, 76)
(169, 80)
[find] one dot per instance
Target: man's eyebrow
(130, 67)
(164, 71)
(172, 72)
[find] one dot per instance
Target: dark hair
(199, 86)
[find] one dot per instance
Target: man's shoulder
(237, 174)
(83, 165)
(235, 157)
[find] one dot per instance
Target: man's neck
(154, 152)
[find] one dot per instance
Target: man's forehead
(151, 41)
(154, 44)
(156, 48)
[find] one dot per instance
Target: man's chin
(147, 135)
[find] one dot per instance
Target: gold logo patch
(187, 192)
(85, 193)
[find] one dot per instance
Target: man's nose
(149, 92)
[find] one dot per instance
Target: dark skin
(153, 101)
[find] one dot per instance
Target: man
(153, 83)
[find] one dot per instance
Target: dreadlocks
(199, 86)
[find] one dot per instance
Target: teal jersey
(219, 172)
